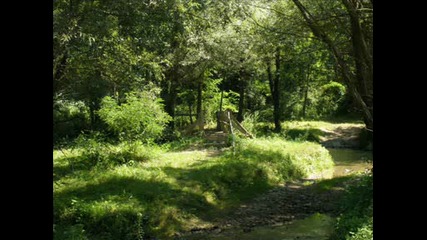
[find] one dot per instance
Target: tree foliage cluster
(280, 58)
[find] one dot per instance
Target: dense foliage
(270, 57)
(141, 116)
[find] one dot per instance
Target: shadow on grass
(337, 183)
(227, 183)
(119, 224)
(235, 179)
(206, 192)
(307, 134)
(152, 196)
(74, 164)
(87, 162)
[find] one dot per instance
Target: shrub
(69, 119)
(141, 116)
(356, 221)
(95, 151)
(330, 99)
(107, 221)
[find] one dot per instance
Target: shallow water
(317, 226)
(349, 161)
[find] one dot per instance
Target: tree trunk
(200, 120)
(362, 56)
(349, 78)
(270, 78)
(242, 97)
(218, 121)
(307, 80)
(304, 105)
(191, 115)
(94, 105)
(276, 94)
(59, 71)
(220, 102)
(169, 95)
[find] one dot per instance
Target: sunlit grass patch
(291, 159)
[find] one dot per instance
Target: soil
(341, 137)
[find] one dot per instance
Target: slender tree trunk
(241, 101)
(218, 114)
(349, 78)
(306, 88)
(270, 78)
(220, 102)
(242, 96)
(199, 104)
(304, 106)
(191, 115)
(94, 105)
(170, 103)
(362, 56)
(59, 71)
(169, 95)
(276, 94)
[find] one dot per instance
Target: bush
(72, 232)
(69, 119)
(356, 221)
(86, 220)
(332, 95)
(95, 151)
(140, 117)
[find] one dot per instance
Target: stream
(314, 226)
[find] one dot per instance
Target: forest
(212, 119)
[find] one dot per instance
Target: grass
(131, 191)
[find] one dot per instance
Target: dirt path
(342, 136)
